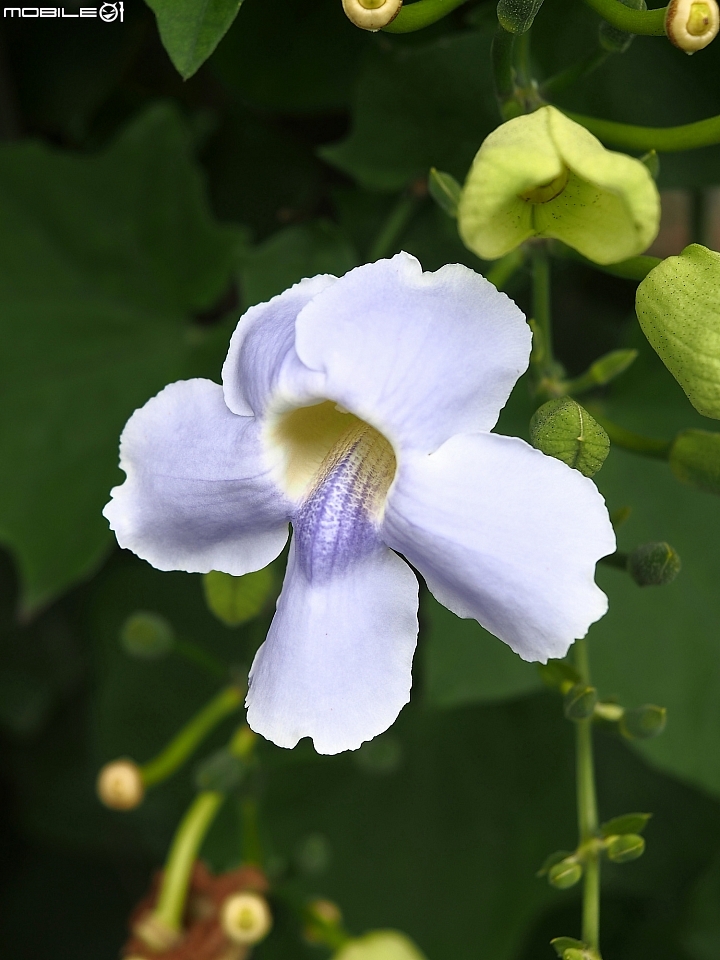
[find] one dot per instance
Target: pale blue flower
(359, 410)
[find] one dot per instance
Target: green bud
(516, 16)
(565, 430)
(627, 823)
(235, 600)
(551, 860)
(678, 306)
(652, 162)
(610, 366)
(380, 945)
(653, 564)
(576, 953)
(580, 702)
(695, 459)
(565, 874)
(642, 723)
(543, 175)
(622, 849)
(147, 636)
(559, 674)
(445, 191)
(614, 40)
(221, 771)
(562, 944)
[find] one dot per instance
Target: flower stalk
(174, 755)
(648, 22)
(628, 136)
(587, 812)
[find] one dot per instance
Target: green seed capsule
(653, 565)
(565, 430)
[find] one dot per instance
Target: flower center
(547, 191)
(699, 19)
(342, 469)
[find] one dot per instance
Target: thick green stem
(542, 357)
(689, 136)
(587, 812)
(504, 77)
(648, 22)
(191, 735)
(393, 228)
(635, 442)
(186, 844)
(416, 16)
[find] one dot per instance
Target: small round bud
(120, 785)
(565, 874)
(147, 635)
(580, 702)
(246, 918)
(622, 849)
(371, 14)
(692, 24)
(642, 723)
(653, 565)
(564, 430)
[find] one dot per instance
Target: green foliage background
(139, 214)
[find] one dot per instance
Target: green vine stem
(587, 812)
(502, 54)
(688, 136)
(172, 757)
(185, 846)
(416, 16)
(635, 442)
(648, 22)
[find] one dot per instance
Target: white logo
(108, 12)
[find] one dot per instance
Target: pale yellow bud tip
(246, 918)
(692, 24)
(371, 14)
(120, 785)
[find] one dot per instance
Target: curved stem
(689, 136)
(635, 442)
(504, 78)
(191, 735)
(587, 812)
(648, 22)
(183, 853)
(415, 16)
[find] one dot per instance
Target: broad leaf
(191, 29)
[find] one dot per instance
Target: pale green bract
(678, 306)
(380, 945)
(543, 175)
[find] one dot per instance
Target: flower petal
(420, 356)
(505, 535)
(336, 665)
(197, 496)
(263, 344)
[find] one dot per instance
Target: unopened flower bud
(246, 918)
(643, 722)
(147, 635)
(653, 564)
(565, 874)
(371, 14)
(445, 191)
(695, 459)
(516, 16)
(380, 945)
(692, 24)
(120, 785)
(565, 430)
(626, 847)
(580, 702)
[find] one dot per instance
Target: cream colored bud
(692, 24)
(246, 917)
(120, 785)
(155, 933)
(371, 14)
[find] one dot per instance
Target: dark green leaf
(191, 29)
